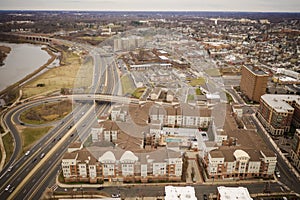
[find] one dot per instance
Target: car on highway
(115, 195)
(7, 187)
(42, 155)
(277, 174)
(10, 168)
(27, 153)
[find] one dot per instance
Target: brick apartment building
(278, 112)
(253, 82)
(295, 152)
(95, 164)
(182, 115)
(233, 163)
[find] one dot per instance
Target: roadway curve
(28, 178)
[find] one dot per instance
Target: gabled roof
(128, 156)
(108, 156)
(240, 153)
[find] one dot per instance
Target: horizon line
(187, 11)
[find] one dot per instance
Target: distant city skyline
(154, 5)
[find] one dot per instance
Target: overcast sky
(154, 5)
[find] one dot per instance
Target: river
(22, 60)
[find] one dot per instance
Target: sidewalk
(276, 147)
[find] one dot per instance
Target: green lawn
(138, 92)
(198, 91)
(197, 81)
(190, 97)
(31, 135)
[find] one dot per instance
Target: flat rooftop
(229, 193)
(256, 70)
(180, 193)
(279, 102)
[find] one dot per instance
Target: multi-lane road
(29, 175)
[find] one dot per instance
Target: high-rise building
(253, 82)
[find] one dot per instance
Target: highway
(32, 173)
(23, 166)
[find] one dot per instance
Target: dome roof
(128, 155)
(240, 153)
(108, 156)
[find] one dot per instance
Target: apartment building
(108, 131)
(181, 116)
(278, 112)
(112, 164)
(295, 152)
(253, 82)
(235, 163)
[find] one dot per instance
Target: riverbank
(4, 51)
(9, 93)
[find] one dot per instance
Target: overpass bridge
(114, 99)
(106, 98)
(38, 39)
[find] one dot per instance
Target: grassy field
(213, 72)
(190, 97)
(84, 75)
(138, 92)
(8, 145)
(47, 112)
(31, 135)
(198, 91)
(59, 77)
(127, 85)
(197, 81)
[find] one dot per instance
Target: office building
(253, 82)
